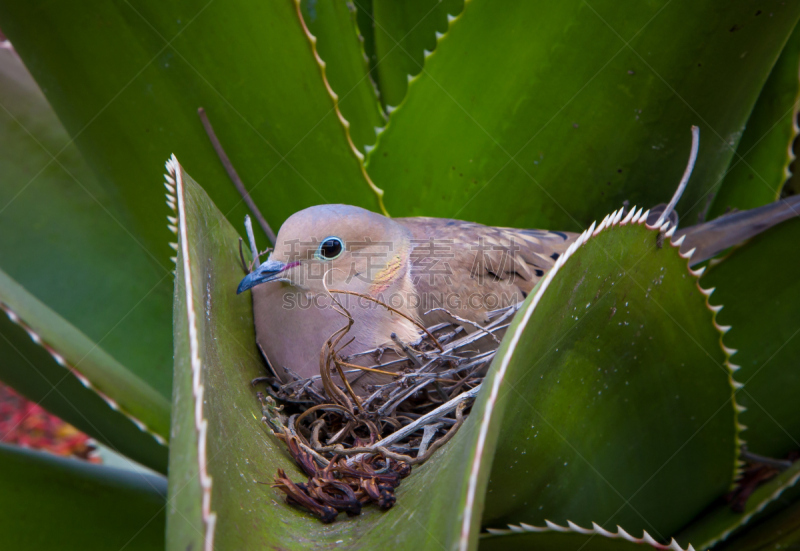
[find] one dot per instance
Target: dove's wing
(470, 269)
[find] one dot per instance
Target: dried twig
(234, 176)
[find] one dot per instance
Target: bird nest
(356, 449)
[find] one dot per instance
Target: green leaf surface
(50, 502)
(718, 523)
(551, 114)
(569, 538)
(404, 31)
(366, 30)
(59, 240)
(759, 288)
(619, 388)
(779, 532)
(333, 23)
(761, 164)
(55, 365)
(128, 85)
(224, 443)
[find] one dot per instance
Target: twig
(245, 267)
(427, 434)
(405, 348)
(684, 179)
(232, 174)
(394, 401)
(422, 457)
(395, 310)
(248, 226)
(370, 369)
(780, 464)
(442, 410)
(462, 320)
(335, 407)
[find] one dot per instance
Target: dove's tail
(713, 237)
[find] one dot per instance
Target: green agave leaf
(128, 85)
(621, 396)
(570, 537)
(779, 532)
(52, 363)
(222, 458)
(405, 32)
(761, 294)
(717, 524)
(49, 502)
(761, 164)
(550, 114)
(333, 24)
(59, 240)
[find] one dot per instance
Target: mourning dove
(414, 265)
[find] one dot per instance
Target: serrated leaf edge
(729, 352)
(175, 174)
(611, 220)
(335, 98)
(746, 518)
(595, 530)
(390, 110)
(60, 360)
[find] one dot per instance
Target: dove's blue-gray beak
(269, 271)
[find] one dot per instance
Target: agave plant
(614, 413)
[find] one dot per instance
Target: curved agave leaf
(761, 164)
(571, 536)
(333, 24)
(779, 532)
(53, 502)
(590, 110)
(60, 242)
(761, 294)
(52, 363)
(717, 524)
(620, 392)
(128, 86)
(405, 33)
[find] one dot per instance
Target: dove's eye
(330, 248)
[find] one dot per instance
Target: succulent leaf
(53, 502)
(717, 524)
(52, 363)
(405, 34)
(761, 164)
(60, 241)
(761, 294)
(615, 388)
(263, 92)
(333, 25)
(779, 532)
(581, 107)
(571, 536)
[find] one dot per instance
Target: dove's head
(339, 244)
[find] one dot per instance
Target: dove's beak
(270, 270)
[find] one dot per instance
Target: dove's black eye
(330, 248)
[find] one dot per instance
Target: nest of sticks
(355, 449)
